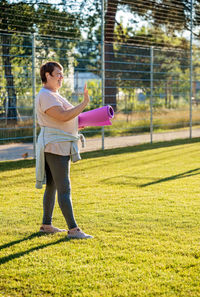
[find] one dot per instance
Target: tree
(159, 13)
(110, 81)
(9, 14)
(64, 21)
(170, 61)
(46, 20)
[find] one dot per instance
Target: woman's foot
(77, 233)
(50, 229)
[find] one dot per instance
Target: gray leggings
(57, 174)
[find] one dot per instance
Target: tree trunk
(166, 94)
(12, 98)
(110, 76)
(194, 88)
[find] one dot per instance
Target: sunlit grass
(140, 203)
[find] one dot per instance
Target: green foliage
(170, 62)
(95, 93)
(60, 28)
(44, 19)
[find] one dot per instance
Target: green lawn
(142, 204)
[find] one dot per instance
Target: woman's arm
(60, 114)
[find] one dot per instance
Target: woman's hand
(86, 96)
(63, 115)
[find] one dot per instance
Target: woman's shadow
(20, 254)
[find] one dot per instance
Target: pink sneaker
(78, 234)
(50, 229)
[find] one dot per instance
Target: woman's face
(55, 79)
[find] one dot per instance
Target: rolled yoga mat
(96, 117)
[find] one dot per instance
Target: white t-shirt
(44, 100)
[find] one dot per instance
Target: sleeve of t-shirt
(48, 100)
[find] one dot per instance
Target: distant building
(141, 97)
(80, 78)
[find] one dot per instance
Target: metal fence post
(102, 66)
(191, 64)
(33, 95)
(151, 93)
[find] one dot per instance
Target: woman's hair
(48, 67)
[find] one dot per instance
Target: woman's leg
(49, 196)
(60, 168)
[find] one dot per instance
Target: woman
(57, 141)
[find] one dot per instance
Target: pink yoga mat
(96, 117)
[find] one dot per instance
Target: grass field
(141, 204)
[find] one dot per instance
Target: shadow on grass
(6, 259)
(138, 148)
(173, 177)
(13, 165)
(135, 180)
(9, 244)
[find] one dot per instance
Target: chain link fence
(147, 69)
